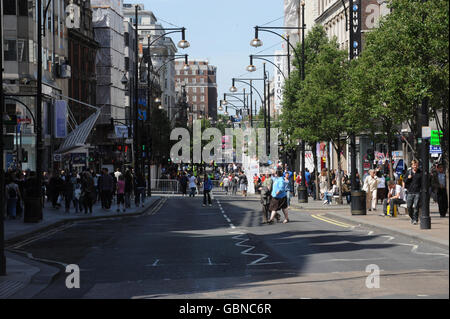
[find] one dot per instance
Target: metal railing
(173, 186)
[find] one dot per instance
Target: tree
(293, 88)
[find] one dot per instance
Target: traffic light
(24, 156)
(370, 154)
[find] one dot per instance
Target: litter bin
(33, 205)
(302, 194)
(358, 205)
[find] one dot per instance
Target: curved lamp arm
(262, 100)
(170, 60)
(287, 40)
(259, 58)
(20, 102)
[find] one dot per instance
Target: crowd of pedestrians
(73, 190)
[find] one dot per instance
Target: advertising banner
(60, 120)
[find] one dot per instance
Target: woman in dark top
(87, 192)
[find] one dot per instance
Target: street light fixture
(183, 44)
(256, 42)
(124, 80)
(233, 89)
(251, 67)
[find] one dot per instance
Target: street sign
(57, 157)
(24, 120)
(12, 120)
(435, 149)
(434, 140)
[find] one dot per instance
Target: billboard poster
(60, 120)
(355, 28)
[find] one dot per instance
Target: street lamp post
(183, 44)
(256, 42)
(2, 176)
(302, 190)
(135, 99)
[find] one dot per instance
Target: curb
(38, 282)
(19, 238)
(441, 243)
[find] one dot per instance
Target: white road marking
(209, 261)
(414, 248)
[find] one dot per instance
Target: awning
(79, 135)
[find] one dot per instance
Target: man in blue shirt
(279, 198)
(308, 181)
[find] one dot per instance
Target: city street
(183, 250)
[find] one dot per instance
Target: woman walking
(88, 192)
(226, 183)
(207, 187)
(121, 193)
(279, 198)
(323, 182)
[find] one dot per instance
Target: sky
(220, 31)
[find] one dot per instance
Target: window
(126, 37)
(202, 90)
(22, 50)
(9, 50)
(194, 80)
(194, 90)
(202, 80)
(23, 8)
(9, 7)
(202, 98)
(127, 63)
(194, 98)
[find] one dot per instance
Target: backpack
(12, 192)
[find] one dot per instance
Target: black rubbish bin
(32, 209)
(302, 194)
(358, 205)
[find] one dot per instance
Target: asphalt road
(184, 250)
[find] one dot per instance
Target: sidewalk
(437, 235)
(15, 230)
(26, 277)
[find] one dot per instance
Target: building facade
(162, 52)
(200, 86)
(20, 76)
(334, 16)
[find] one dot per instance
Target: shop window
(9, 7)
(23, 8)
(9, 50)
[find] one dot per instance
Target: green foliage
(403, 62)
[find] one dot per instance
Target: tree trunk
(338, 175)
(316, 168)
(389, 152)
(328, 165)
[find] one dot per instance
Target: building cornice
(335, 9)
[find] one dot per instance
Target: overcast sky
(221, 31)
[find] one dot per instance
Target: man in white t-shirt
(192, 185)
(395, 197)
(117, 173)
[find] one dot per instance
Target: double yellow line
(331, 221)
